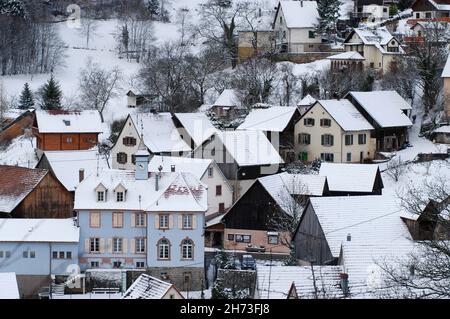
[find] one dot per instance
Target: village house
(431, 31)
(32, 193)
(441, 135)
(295, 27)
(388, 113)
(220, 191)
(148, 287)
(431, 9)
(36, 249)
(253, 222)
(59, 130)
(378, 47)
(305, 103)
(135, 100)
(352, 179)
(194, 128)
(159, 134)
(446, 77)
(242, 156)
(134, 219)
(227, 105)
(277, 123)
(334, 131)
(256, 42)
(15, 122)
(8, 286)
(346, 61)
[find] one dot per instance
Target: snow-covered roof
(66, 165)
(274, 282)
(197, 125)
(274, 119)
(228, 98)
(58, 121)
(346, 115)
(446, 70)
(349, 177)
(442, 129)
(307, 101)
(300, 14)
(8, 286)
(160, 133)
(385, 107)
(195, 166)
(367, 219)
(350, 55)
(147, 287)
(441, 5)
(378, 37)
(249, 148)
(177, 191)
(15, 184)
(215, 220)
(12, 114)
(39, 230)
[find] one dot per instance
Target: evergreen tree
(218, 290)
(12, 8)
(328, 14)
(26, 98)
(51, 95)
(153, 7)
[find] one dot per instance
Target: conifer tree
(51, 95)
(328, 14)
(26, 98)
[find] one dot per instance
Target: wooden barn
(15, 123)
(32, 193)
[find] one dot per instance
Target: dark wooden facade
(12, 129)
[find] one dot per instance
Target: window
(7, 254)
(117, 221)
(219, 190)
(231, 237)
(129, 141)
(140, 264)
(89, 140)
(385, 10)
(68, 255)
(61, 255)
(392, 49)
(372, 65)
(303, 156)
(348, 139)
(327, 157)
(140, 245)
(311, 34)
(55, 255)
(117, 264)
(427, 15)
(94, 220)
(69, 140)
(308, 121)
(362, 139)
(101, 196)
(281, 19)
(325, 122)
(140, 220)
(272, 239)
(133, 159)
(117, 245)
(95, 264)
(349, 157)
(95, 245)
(243, 238)
(304, 138)
(1, 254)
(213, 152)
(122, 158)
(187, 249)
(164, 249)
(119, 196)
(221, 207)
(417, 15)
(163, 221)
(187, 221)
(327, 140)
(25, 254)
(210, 172)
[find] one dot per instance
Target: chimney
(172, 168)
(81, 175)
(301, 3)
(157, 176)
(344, 283)
(349, 237)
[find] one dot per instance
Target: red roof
(16, 183)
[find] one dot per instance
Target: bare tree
(338, 84)
(401, 77)
(396, 168)
(3, 101)
(288, 82)
(98, 86)
(88, 29)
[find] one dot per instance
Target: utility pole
(270, 274)
(314, 280)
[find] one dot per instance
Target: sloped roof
(228, 98)
(350, 55)
(308, 100)
(378, 37)
(249, 148)
(147, 287)
(274, 282)
(160, 133)
(346, 115)
(8, 286)
(443, 5)
(176, 192)
(349, 177)
(274, 119)
(195, 166)
(300, 14)
(58, 121)
(197, 125)
(67, 164)
(16, 183)
(368, 219)
(39, 230)
(442, 129)
(385, 107)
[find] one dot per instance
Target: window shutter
(133, 219)
(180, 221)
(331, 140)
(87, 245)
(125, 245)
(145, 219)
(102, 245)
(133, 246)
(156, 221)
(170, 221)
(110, 245)
(194, 222)
(323, 139)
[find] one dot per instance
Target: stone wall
(238, 279)
(177, 276)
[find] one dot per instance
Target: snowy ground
(20, 152)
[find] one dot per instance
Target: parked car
(248, 262)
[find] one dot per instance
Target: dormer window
(120, 196)
(100, 196)
(120, 192)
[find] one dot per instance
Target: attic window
(66, 122)
(120, 196)
(100, 196)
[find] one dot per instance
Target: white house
(295, 27)
(227, 104)
(375, 13)
(194, 128)
(148, 287)
(220, 191)
(430, 9)
(160, 135)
